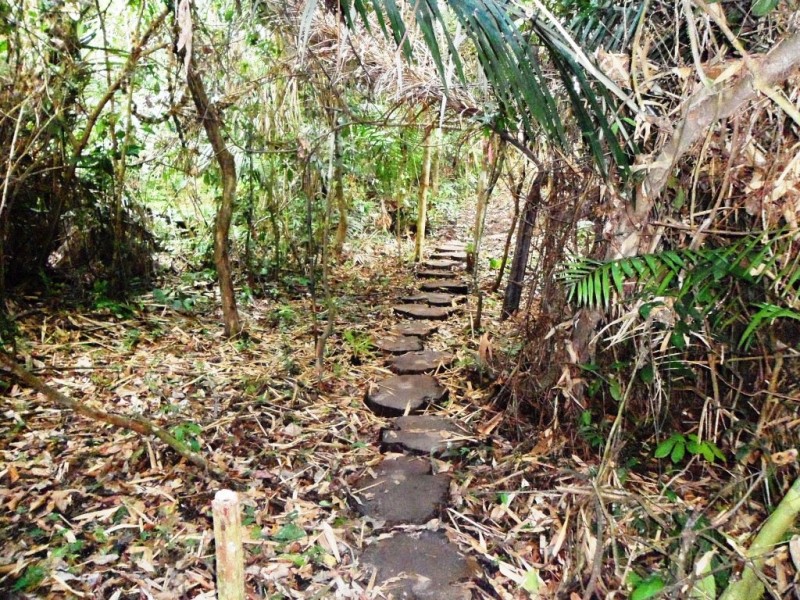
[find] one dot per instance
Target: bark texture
(522, 249)
(422, 200)
(212, 122)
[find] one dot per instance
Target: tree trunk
(494, 158)
(422, 200)
(436, 160)
(212, 122)
(523, 248)
(516, 192)
(338, 192)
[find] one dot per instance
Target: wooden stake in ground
(228, 541)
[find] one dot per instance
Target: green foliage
(645, 587)
(593, 433)
(677, 445)
(512, 66)
(188, 433)
(359, 343)
(285, 315)
(101, 301)
(174, 299)
(697, 279)
(762, 8)
(33, 575)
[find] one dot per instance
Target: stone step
(416, 328)
(397, 344)
(451, 286)
(434, 298)
(451, 246)
(422, 311)
(424, 434)
(420, 362)
(435, 274)
(404, 394)
(459, 256)
(421, 566)
(432, 263)
(401, 490)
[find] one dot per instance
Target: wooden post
(228, 541)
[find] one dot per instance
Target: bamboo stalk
(749, 587)
(228, 542)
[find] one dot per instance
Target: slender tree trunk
(517, 192)
(523, 248)
(422, 200)
(338, 193)
(436, 160)
(494, 158)
(212, 122)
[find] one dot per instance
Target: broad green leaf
(704, 588)
(665, 448)
(290, 533)
(531, 583)
(646, 374)
(763, 7)
(678, 452)
(616, 274)
(615, 389)
(648, 588)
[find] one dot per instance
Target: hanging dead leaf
(786, 457)
(185, 32)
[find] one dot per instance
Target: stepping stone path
(441, 264)
(451, 286)
(398, 343)
(418, 328)
(401, 492)
(404, 394)
(449, 255)
(424, 434)
(422, 311)
(435, 274)
(435, 298)
(420, 362)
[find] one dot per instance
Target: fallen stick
(137, 424)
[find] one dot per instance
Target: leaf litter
(92, 511)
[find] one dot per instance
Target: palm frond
(511, 60)
(703, 276)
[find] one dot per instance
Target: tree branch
(137, 424)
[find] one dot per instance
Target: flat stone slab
(460, 256)
(434, 274)
(420, 362)
(402, 490)
(424, 434)
(428, 567)
(397, 343)
(435, 298)
(404, 394)
(422, 311)
(417, 328)
(433, 263)
(452, 286)
(453, 246)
